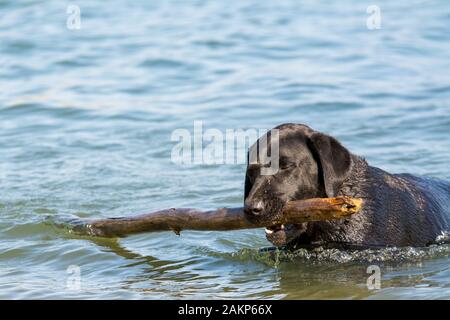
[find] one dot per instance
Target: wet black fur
(399, 209)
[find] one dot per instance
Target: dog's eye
(285, 164)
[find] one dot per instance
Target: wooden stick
(295, 212)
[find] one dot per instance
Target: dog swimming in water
(399, 209)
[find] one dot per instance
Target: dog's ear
(334, 161)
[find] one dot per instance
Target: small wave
(19, 46)
(28, 108)
(214, 44)
(162, 63)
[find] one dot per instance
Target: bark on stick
(295, 212)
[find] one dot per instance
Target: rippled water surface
(86, 118)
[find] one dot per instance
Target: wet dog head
(310, 165)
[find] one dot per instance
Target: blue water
(86, 118)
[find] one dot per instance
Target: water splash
(444, 237)
(320, 255)
(317, 255)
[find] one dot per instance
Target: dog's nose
(254, 208)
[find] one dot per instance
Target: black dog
(399, 209)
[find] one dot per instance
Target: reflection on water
(86, 118)
(317, 273)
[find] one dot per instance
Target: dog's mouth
(275, 228)
(280, 234)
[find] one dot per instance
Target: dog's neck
(351, 186)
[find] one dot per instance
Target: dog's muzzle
(281, 235)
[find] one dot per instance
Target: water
(86, 118)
